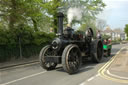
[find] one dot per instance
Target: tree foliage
(27, 12)
(126, 29)
(90, 9)
(101, 24)
(41, 14)
(106, 36)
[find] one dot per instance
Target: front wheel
(46, 51)
(71, 59)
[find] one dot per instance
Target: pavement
(120, 65)
(90, 73)
(18, 62)
(116, 69)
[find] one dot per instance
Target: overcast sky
(115, 13)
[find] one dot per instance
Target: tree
(90, 8)
(41, 14)
(101, 24)
(126, 29)
(4, 12)
(27, 12)
(106, 36)
(91, 24)
(50, 8)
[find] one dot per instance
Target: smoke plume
(74, 14)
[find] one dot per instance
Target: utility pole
(20, 44)
(20, 48)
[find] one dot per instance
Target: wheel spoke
(73, 59)
(48, 65)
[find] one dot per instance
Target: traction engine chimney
(60, 23)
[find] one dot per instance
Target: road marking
(90, 79)
(97, 75)
(103, 69)
(23, 78)
(109, 61)
(20, 66)
(82, 83)
(125, 78)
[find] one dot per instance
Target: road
(33, 74)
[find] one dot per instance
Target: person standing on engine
(99, 34)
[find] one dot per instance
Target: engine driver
(69, 31)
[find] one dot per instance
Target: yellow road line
(116, 76)
(110, 60)
(103, 69)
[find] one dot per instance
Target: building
(116, 34)
(123, 36)
(108, 31)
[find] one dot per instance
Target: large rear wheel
(47, 51)
(97, 51)
(71, 59)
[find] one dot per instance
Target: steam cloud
(74, 14)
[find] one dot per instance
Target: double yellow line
(102, 70)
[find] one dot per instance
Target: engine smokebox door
(55, 59)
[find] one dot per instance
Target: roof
(108, 30)
(118, 31)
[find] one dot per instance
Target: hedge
(31, 43)
(7, 53)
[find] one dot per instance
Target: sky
(115, 13)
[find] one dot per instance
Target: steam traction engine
(70, 49)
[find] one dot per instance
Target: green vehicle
(107, 48)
